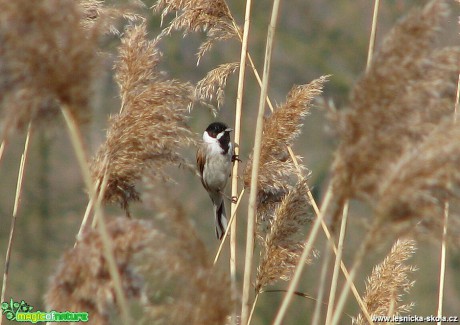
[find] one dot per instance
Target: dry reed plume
(49, 57)
(150, 128)
(184, 288)
(281, 128)
(213, 84)
(408, 90)
(422, 179)
(388, 281)
(82, 280)
(283, 244)
(98, 14)
(210, 16)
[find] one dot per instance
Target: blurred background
(313, 38)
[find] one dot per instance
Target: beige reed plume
(151, 126)
(210, 16)
(44, 64)
(283, 244)
(277, 170)
(388, 282)
(212, 85)
(82, 281)
(421, 180)
(408, 89)
(98, 14)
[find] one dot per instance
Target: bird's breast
(216, 172)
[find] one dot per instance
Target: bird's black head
(215, 128)
(221, 132)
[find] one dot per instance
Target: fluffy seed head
(277, 169)
(46, 56)
(151, 127)
(388, 282)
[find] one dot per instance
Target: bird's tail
(220, 219)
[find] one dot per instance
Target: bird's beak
(228, 130)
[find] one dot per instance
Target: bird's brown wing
(200, 161)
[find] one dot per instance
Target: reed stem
(338, 259)
(238, 114)
(17, 200)
(255, 167)
(311, 237)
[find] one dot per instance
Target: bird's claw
(236, 158)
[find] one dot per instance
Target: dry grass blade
(151, 128)
(388, 282)
(212, 86)
(280, 130)
(395, 103)
(51, 46)
(283, 244)
(82, 280)
(17, 198)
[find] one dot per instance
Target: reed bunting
(214, 161)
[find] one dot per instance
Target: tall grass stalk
(338, 259)
(252, 64)
(256, 298)
(322, 284)
(332, 243)
(305, 253)
(77, 143)
(442, 267)
(238, 113)
(333, 247)
(255, 168)
(15, 213)
(370, 51)
(334, 281)
(2, 149)
(79, 149)
(358, 259)
(230, 222)
(108, 251)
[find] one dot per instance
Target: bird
(214, 159)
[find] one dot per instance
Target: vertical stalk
(77, 143)
(442, 270)
(17, 199)
(255, 167)
(108, 250)
(370, 51)
(338, 259)
(301, 264)
(238, 111)
(322, 284)
(2, 149)
(359, 256)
